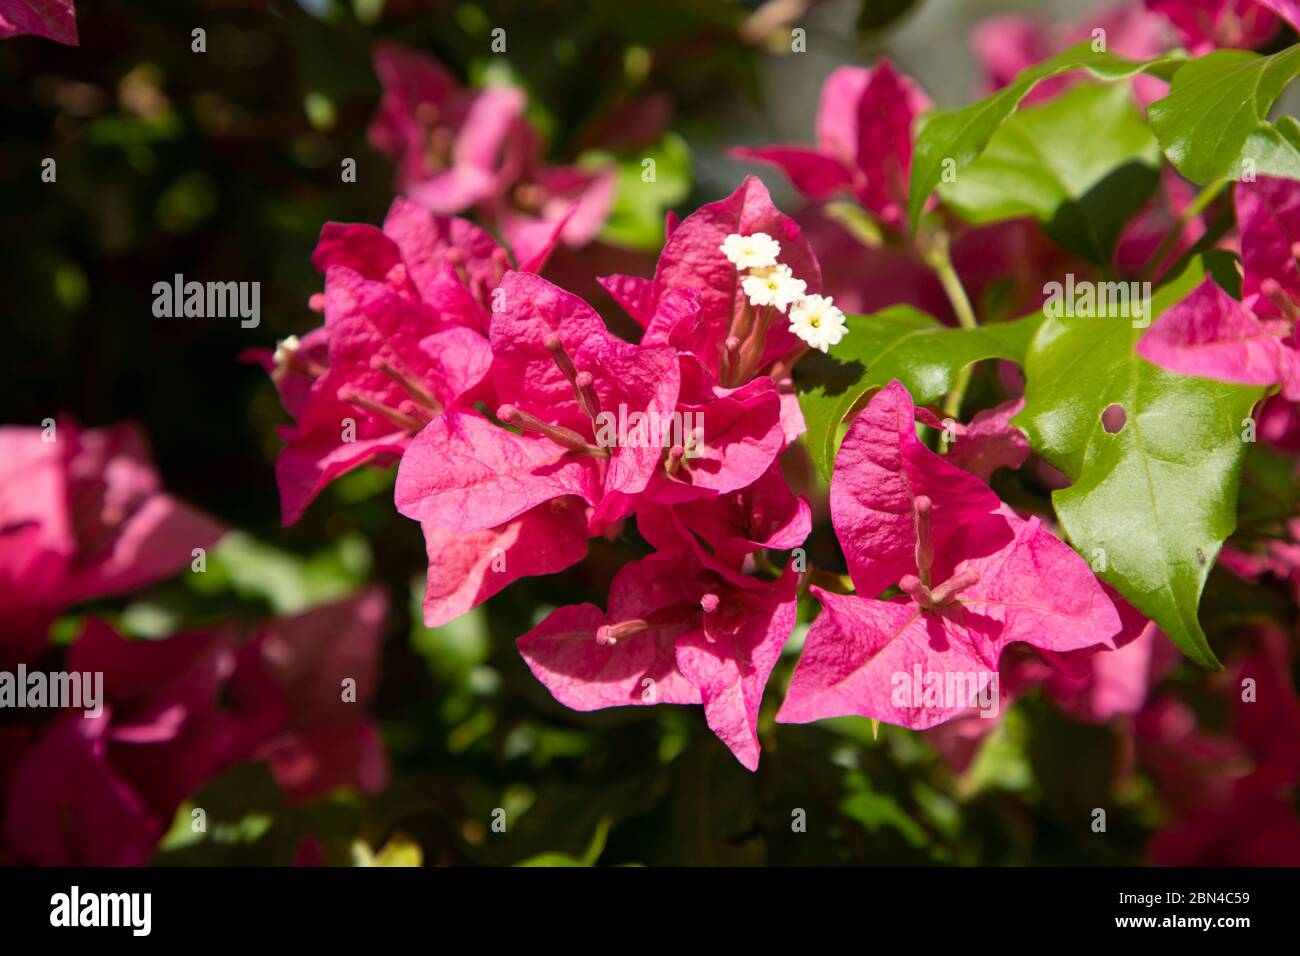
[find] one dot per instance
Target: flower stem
(936, 255)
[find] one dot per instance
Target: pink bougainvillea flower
(118, 778)
(468, 567)
(406, 312)
(581, 406)
(1094, 685)
(66, 806)
(449, 142)
(545, 199)
(325, 662)
(1099, 684)
(975, 578)
(102, 790)
(677, 631)
(1252, 342)
(82, 516)
(729, 436)
(991, 442)
(1006, 45)
(864, 141)
(1205, 25)
(1232, 797)
(1268, 217)
(1212, 335)
(728, 527)
(53, 19)
(459, 148)
(733, 339)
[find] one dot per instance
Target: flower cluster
(83, 517)
(458, 148)
(771, 285)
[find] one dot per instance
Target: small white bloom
(751, 252)
(285, 349)
(775, 285)
(815, 319)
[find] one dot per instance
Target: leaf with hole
(1153, 500)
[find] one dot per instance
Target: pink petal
(731, 660)
(465, 569)
(464, 473)
(816, 175)
(1268, 215)
(53, 19)
(1212, 335)
(991, 442)
(880, 469)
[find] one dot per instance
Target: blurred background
(224, 165)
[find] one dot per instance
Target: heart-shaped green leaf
(1152, 503)
(903, 343)
(1216, 116)
(959, 136)
(1083, 164)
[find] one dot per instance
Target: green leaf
(1156, 499)
(903, 343)
(961, 135)
(1083, 164)
(1216, 116)
(589, 858)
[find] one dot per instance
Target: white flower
(751, 252)
(816, 320)
(775, 285)
(285, 349)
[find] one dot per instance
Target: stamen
(710, 603)
(742, 321)
(585, 387)
(407, 381)
(438, 151)
(564, 437)
(501, 261)
(288, 357)
(911, 585)
(751, 353)
(458, 263)
(479, 291)
(921, 508)
(945, 593)
(1285, 304)
(730, 360)
(674, 460)
(663, 617)
(401, 419)
(562, 358)
(613, 633)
